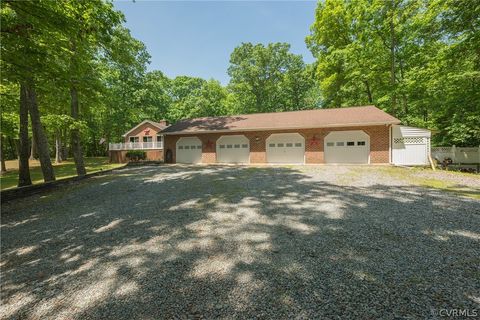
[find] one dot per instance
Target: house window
(187, 147)
(360, 143)
(340, 144)
(180, 147)
(280, 145)
(147, 139)
(271, 145)
(298, 144)
(245, 145)
(199, 147)
(330, 144)
(222, 146)
(350, 143)
(159, 138)
(236, 146)
(134, 139)
(289, 145)
(229, 146)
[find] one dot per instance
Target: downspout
(390, 144)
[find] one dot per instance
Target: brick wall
(314, 153)
(120, 156)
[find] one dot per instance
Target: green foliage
(416, 59)
(136, 155)
(195, 97)
(268, 78)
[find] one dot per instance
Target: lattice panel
(409, 140)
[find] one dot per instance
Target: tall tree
(267, 78)
(195, 97)
(95, 22)
(38, 133)
(122, 70)
(29, 38)
(414, 58)
(23, 167)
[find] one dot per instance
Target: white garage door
(233, 149)
(189, 150)
(285, 148)
(347, 147)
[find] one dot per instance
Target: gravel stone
(238, 242)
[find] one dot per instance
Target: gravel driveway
(241, 242)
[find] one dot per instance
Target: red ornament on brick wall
(147, 132)
(209, 144)
(314, 141)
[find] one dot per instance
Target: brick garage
(314, 152)
(353, 135)
(368, 127)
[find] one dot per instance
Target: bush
(136, 155)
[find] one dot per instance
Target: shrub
(136, 155)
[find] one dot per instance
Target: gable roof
(317, 118)
(153, 123)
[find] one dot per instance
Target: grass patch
(63, 170)
(411, 176)
(449, 187)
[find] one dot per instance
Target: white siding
(403, 131)
(410, 146)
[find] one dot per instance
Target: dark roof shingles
(316, 118)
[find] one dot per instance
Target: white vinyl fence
(457, 154)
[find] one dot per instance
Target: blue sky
(196, 38)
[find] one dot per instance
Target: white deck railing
(135, 145)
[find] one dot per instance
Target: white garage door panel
(189, 150)
(285, 148)
(347, 147)
(233, 149)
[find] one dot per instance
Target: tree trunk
(75, 134)
(64, 150)
(58, 147)
(17, 148)
(405, 104)
(13, 148)
(369, 92)
(23, 143)
(34, 151)
(392, 57)
(3, 167)
(39, 135)
(94, 146)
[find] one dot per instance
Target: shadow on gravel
(239, 242)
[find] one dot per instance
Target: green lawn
(64, 170)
